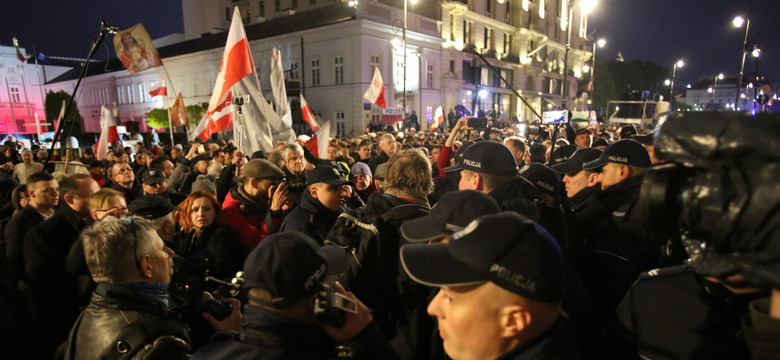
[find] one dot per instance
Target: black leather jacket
(113, 308)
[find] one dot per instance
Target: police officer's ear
(593, 179)
(313, 191)
(514, 320)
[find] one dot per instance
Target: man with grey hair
(128, 314)
(27, 167)
(387, 147)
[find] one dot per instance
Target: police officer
(501, 281)
(320, 203)
(285, 276)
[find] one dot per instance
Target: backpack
(372, 245)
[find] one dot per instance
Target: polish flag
(108, 134)
(308, 116)
(160, 90)
(319, 143)
(278, 88)
(236, 62)
(18, 51)
(220, 119)
(438, 118)
(376, 91)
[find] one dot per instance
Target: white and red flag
(308, 116)
(376, 90)
(236, 62)
(108, 133)
(438, 118)
(220, 119)
(282, 106)
(18, 51)
(160, 90)
(319, 143)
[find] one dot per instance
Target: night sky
(698, 31)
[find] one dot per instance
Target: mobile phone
(477, 123)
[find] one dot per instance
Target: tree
(158, 118)
(73, 122)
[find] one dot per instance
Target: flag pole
(170, 127)
(11, 105)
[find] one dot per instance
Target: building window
(489, 7)
(277, 5)
(508, 13)
(340, 124)
(195, 84)
(489, 38)
(429, 76)
(143, 96)
(507, 44)
(374, 61)
(261, 9)
(452, 66)
(312, 2)
(227, 14)
(338, 69)
(452, 27)
(293, 71)
(15, 95)
(119, 95)
(294, 4)
(315, 72)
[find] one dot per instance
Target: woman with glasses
(203, 235)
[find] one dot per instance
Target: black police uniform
(311, 218)
(673, 313)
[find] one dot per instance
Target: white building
(21, 91)
(332, 49)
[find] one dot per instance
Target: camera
(719, 192)
(477, 123)
(197, 291)
(294, 185)
(331, 307)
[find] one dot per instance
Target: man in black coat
(131, 313)
(320, 203)
(44, 193)
(46, 246)
(122, 179)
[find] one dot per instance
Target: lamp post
(600, 43)
(738, 21)
(679, 63)
(756, 54)
(715, 87)
(586, 6)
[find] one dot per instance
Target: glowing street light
(738, 22)
(680, 64)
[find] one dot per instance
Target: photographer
(256, 207)
(285, 276)
(130, 313)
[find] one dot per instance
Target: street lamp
(715, 87)
(756, 53)
(680, 64)
(600, 43)
(586, 6)
(738, 21)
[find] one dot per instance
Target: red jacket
(248, 219)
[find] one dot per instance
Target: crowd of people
(507, 242)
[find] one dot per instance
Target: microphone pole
(105, 29)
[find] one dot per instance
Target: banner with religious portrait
(135, 49)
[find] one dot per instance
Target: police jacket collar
(624, 192)
(581, 197)
(555, 343)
